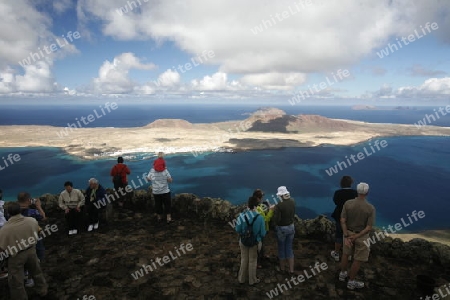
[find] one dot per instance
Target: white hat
(362, 188)
(282, 190)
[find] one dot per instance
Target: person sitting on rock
(71, 201)
(339, 198)
(266, 211)
(357, 219)
(95, 201)
(283, 219)
(249, 254)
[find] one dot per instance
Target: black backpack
(248, 239)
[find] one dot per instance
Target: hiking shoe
(335, 255)
(343, 276)
(29, 283)
(353, 284)
(70, 232)
(75, 231)
(96, 225)
(3, 275)
(90, 227)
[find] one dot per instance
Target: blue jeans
(285, 236)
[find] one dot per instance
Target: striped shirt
(160, 185)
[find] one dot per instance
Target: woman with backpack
(251, 228)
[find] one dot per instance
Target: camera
(33, 201)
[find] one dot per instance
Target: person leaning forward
(22, 255)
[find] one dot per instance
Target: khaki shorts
(359, 250)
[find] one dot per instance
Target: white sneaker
(343, 276)
(96, 225)
(90, 227)
(74, 231)
(353, 284)
(29, 283)
(71, 232)
(335, 255)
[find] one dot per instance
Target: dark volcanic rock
(101, 263)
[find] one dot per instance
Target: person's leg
(252, 263)
(158, 205)
(72, 215)
(289, 247)
(168, 206)
(243, 270)
(40, 250)
(32, 264)
(354, 269)
(261, 254)
(16, 276)
(281, 247)
(338, 238)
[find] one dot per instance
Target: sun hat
(282, 190)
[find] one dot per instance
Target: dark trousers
(163, 203)
(93, 213)
(124, 194)
(261, 253)
(73, 219)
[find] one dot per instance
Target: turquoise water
(411, 173)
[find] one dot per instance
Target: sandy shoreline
(439, 236)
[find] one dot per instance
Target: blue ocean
(411, 173)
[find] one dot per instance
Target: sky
(395, 51)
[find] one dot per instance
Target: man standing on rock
(21, 254)
(357, 219)
(119, 178)
(95, 201)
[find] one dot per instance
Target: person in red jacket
(119, 177)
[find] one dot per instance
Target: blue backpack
(248, 238)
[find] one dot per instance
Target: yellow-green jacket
(266, 213)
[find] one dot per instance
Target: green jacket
(266, 213)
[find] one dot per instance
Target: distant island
(267, 128)
(371, 107)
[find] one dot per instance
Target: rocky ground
(99, 264)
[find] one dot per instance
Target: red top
(121, 169)
(159, 164)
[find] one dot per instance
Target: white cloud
(216, 82)
(113, 77)
(275, 81)
(433, 87)
(60, 6)
(37, 78)
(168, 79)
(324, 36)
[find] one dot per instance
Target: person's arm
(151, 175)
(127, 170)
(61, 203)
(39, 208)
(169, 178)
(369, 226)
(81, 200)
(335, 199)
(112, 173)
(276, 216)
(262, 226)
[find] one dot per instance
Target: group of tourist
(279, 216)
(354, 217)
(20, 222)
